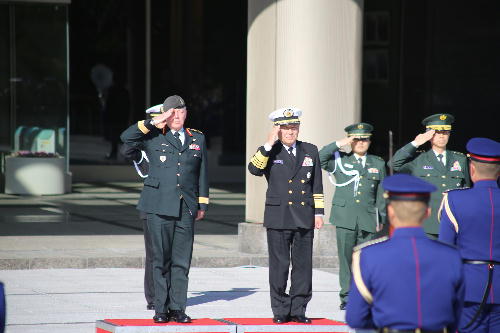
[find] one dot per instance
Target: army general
(175, 194)
(294, 207)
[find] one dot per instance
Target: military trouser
(347, 239)
(172, 243)
(149, 291)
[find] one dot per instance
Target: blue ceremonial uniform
(409, 281)
(468, 219)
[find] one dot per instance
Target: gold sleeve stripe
(318, 195)
(203, 200)
(358, 279)
(141, 126)
(450, 213)
(319, 203)
(259, 160)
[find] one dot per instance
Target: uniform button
(360, 184)
(180, 153)
(302, 203)
(428, 175)
(289, 202)
(303, 192)
(163, 150)
(373, 177)
(359, 192)
(360, 176)
(178, 185)
(290, 181)
(290, 191)
(178, 174)
(357, 200)
(443, 176)
(302, 181)
(443, 185)
(178, 164)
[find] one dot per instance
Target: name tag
(278, 161)
(307, 161)
(373, 170)
(428, 167)
(194, 147)
(456, 167)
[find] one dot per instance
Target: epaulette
(378, 158)
(372, 242)
(195, 130)
(420, 151)
(456, 189)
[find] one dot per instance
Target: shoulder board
(456, 189)
(420, 151)
(372, 242)
(195, 130)
(378, 157)
(457, 152)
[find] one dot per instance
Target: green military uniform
(175, 189)
(354, 209)
(455, 174)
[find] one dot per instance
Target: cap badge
(288, 113)
(360, 126)
(181, 101)
(442, 117)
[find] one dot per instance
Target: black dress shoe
(150, 307)
(343, 305)
(301, 319)
(179, 316)
(280, 319)
(160, 318)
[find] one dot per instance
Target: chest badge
(194, 146)
(163, 158)
(308, 175)
(278, 162)
(428, 167)
(373, 170)
(456, 166)
(307, 161)
(347, 165)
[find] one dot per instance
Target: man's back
(413, 281)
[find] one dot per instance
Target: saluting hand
(345, 141)
(161, 120)
(424, 137)
(318, 222)
(273, 135)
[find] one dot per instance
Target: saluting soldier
(358, 206)
(470, 220)
(294, 207)
(175, 194)
(406, 283)
(141, 163)
(446, 169)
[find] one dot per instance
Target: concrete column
(306, 54)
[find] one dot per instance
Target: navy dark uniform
(407, 282)
(175, 189)
(294, 196)
(470, 220)
(454, 173)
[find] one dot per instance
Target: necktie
(360, 161)
(290, 152)
(178, 140)
(440, 158)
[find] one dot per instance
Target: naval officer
(294, 207)
(470, 220)
(175, 194)
(358, 206)
(408, 283)
(446, 169)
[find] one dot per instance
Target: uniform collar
(486, 183)
(181, 131)
(409, 232)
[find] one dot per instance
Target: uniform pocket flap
(153, 182)
(339, 202)
(273, 201)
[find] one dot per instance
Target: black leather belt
(416, 330)
(491, 264)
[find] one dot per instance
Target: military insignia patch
(308, 175)
(360, 126)
(442, 117)
(456, 166)
(373, 170)
(288, 113)
(307, 161)
(163, 158)
(194, 146)
(428, 167)
(278, 162)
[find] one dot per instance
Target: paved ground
(71, 300)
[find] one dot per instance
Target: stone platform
(226, 325)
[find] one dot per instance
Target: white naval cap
(155, 110)
(285, 116)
